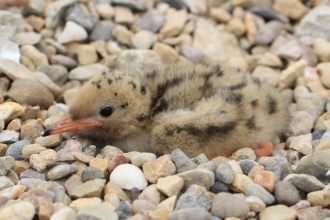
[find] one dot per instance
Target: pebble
(17, 210)
(247, 165)
(100, 212)
(102, 31)
(40, 161)
(83, 157)
(306, 213)
(224, 173)
(86, 72)
(165, 52)
(268, 32)
(27, 38)
(30, 149)
(151, 21)
(91, 188)
(168, 203)
(278, 212)
(170, 185)
(67, 152)
(174, 23)
(13, 192)
(197, 176)
(49, 141)
(15, 150)
(260, 192)
(220, 15)
(301, 124)
(123, 211)
(182, 161)
(102, 164)
(219, 187)
(265, 179)
(189, 213)
(143, 39)
(105, 10)
(60, 171)
(155, 169)
(307, 183)
(319, 198)
(78, 15)
(192, 53)
(118, 160)
(72, 32)
(7, 136)
(280, 169)
(31, 89)
(112, 188)
(150, 194)
(77, 204)
(313, 23)
(141, 206)
(203, 198)
(140, 158)
(11, 110)
(31, 173)
(66, 61)
(9, 50)
(31, 183)
(5, 182)
(128, 176)
(256, 204)
(91, 173)
(6, 163)
(59, 76)
(86, 54)
(227, 205)
(286, 193)
(241, 182)
(316, 165)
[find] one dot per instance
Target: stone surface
(195, 196)
(91, 188)
(128, 176)
(170, 185)
(161, 167)
(40, 161)
(199, 176)
(96, 212)
(278, 212)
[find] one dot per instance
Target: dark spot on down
(109, 81)
(118, 78)
(208, 131)
(124, 105)
(151, 75)
(254, 103)
(163, 87)
(143, 90)
(141, 118)
(116, 94)
(272, 105)
(238, 86)
(256, 81)
(251, 123)
(161, 107)
(234, 97)
(132, 83)
(218, 71)
(97, 84)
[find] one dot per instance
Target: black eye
(106, 111)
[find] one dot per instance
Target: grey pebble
(31, 173)
(182, 161)
(280, 169)
(78, 16)
(229, 205)
(7, 136)
(293, 157)
(225, 173)
(6, 163)
(123, 211)
(5, 182)
(286, 193)
(60, 171)
(59, 76)
(247, 165)
(60, 194)
(90, 150)
(307, 183)
(219, 187)
(199, 176)
(91, 173)
(195, 196)
(140, 206)
(151, 21)
(318, 134)
(102, 31)
(200, 159)
(260, 192)
(66, 61)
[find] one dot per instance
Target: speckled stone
(17, 210)
(6, 163)
(161, 167)
(201, 198)
(225, 173)
(198, 176)
(278, 212)
(91, 173)
(307, 183)
(182, 161)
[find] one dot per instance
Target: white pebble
(127, 176)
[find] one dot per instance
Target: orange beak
(66, 124)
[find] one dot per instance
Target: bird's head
(110, 104)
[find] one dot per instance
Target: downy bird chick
(199, 108)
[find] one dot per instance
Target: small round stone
(15, 150)
(17, 210)
(260, 192)
(128, 176)
(286, 193)
(60, 171)
(123, 211)
(228, 205)
(6, 163)
(225, 173)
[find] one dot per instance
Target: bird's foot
(264, 149)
